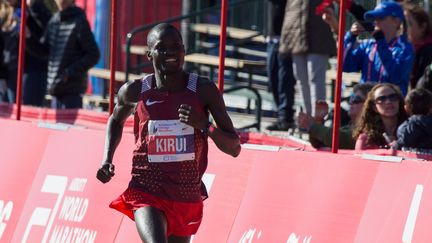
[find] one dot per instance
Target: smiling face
(386, 102)
(167, 51)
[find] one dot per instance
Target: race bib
(170, 141)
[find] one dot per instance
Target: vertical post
(222, 43)
(188, 40)
(337, 99)
(113, 55)
(21, 56)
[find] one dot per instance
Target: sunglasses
(355, 99)
(391, 97)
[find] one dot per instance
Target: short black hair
(418, 101)
(155, 32)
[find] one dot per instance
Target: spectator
(388, 56)
(35, 66)
(279, 69)
(382, 113)
(321, 136)
(310, 41)
(420, 35)
(416, 132)
(72, 52)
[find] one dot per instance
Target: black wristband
(206, 129)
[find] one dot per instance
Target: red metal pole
(21, 56)
(222, 43)
(338, 88)
(113, 55)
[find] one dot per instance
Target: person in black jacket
(35, 66)
(416, 132)
(72, 52)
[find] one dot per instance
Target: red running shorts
(183, 218)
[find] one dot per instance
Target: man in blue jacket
(388, 56)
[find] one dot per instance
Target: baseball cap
(385, 9)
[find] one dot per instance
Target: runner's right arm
(128, 96)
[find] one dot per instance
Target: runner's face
(168, 52)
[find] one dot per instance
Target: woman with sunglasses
(383, 111)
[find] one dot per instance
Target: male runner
(172, 107)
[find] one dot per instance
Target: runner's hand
(189, 116)
(105, 173)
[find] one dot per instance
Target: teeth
(171, 60)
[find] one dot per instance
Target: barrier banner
(21, 149)
(305, 197)
(66, 202)
(322, 197)
(399, 204)
(49, 193)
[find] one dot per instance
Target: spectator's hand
(321, 110)
(189, 116)
(357, 28)
(393, 144)
(330, 18)
(105, 173)
(305, 121)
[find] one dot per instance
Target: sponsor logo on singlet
(170, 141)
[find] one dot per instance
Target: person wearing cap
(387, 57)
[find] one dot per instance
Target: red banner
(21, 149)
(66, 203)
(48, 193)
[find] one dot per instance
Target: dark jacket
(72, 52)
(416, 132)
(322, 136)
(275, 15)
(37, 20)
(423, 57)
(304, 32)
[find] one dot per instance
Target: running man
(165, 195)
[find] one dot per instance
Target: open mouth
(171, 60)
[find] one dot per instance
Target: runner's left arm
(223, 134)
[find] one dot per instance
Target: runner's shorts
(183, 218)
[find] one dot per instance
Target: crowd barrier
(48, 192)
